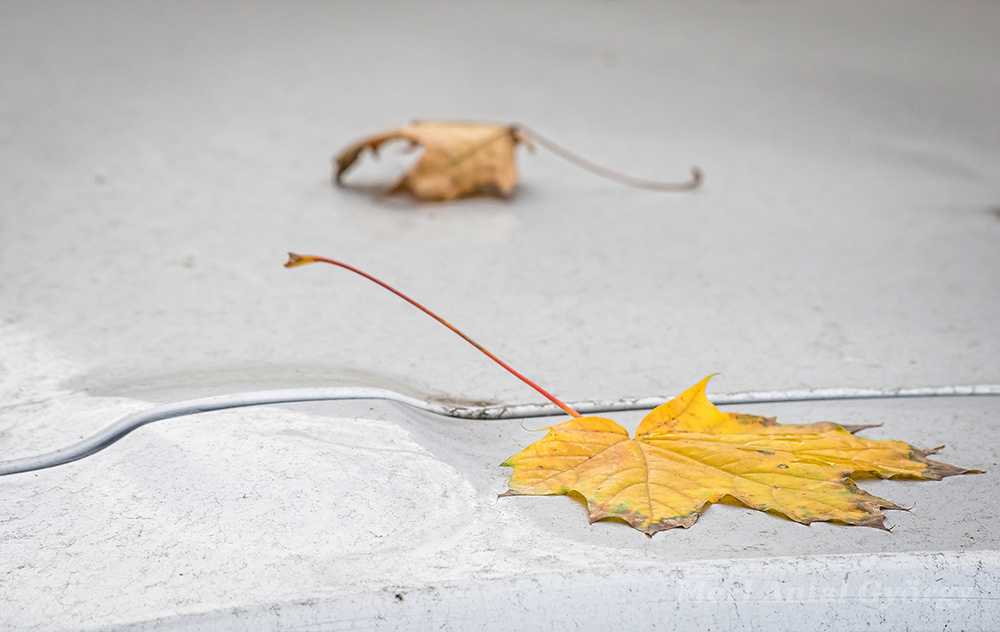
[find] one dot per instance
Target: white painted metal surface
(156, 162)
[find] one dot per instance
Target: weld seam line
(110, 434)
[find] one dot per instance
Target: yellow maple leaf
(688, 454)
(459, 159)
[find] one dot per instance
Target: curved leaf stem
(604, 172)
(298, 260)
